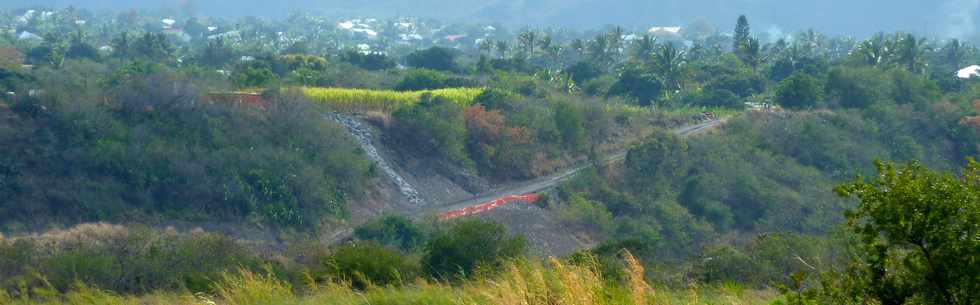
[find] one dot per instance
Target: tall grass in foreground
(364, 100)
(520, 283)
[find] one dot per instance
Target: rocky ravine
(364, 138)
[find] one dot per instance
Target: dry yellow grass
(521, 283)
(83, 234)
(366, 100)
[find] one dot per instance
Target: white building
(968, 72)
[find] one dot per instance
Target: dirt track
(544, 183)
(546, 234)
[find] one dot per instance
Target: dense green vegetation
(124, 120)
(131, 149)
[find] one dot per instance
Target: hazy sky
(856, 17)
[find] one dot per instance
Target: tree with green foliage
(742, 37)
(731, 75)
(254, 75)
(78, 48)
(469, 245)
(752, 54)
(857, 87)
(216, 54)
(637, 84)
(155, 47)
(583, 71)
(920, 235)
(371, 61)
(912, 88)
(434, 58)
(800, 91)
(669, 61)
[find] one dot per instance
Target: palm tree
(578, 45)
(502, 48)
(909, 52)
(953, 54)
(668, 61)
(811, 42)
(598, 50)
(527, 39)
(486, 45)
(873, 51)
(643, 47)
(615, 42)
(545, 42)
(839, 48)
(550, 49)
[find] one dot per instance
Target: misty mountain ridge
(947, 18)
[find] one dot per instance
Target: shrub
(495, 99)
(119, 259)
(393, 230)
(583, 71)
(435, 126)
(570, 120)
(513, 64)
(800, 91)
(366, 265)
(726, 264)
(457, 252)
(13, 80)
(585, 214)
(713, 98)
(428, 79)
(598, 86)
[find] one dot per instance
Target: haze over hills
(946, 18)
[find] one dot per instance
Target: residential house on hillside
(968, 72)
